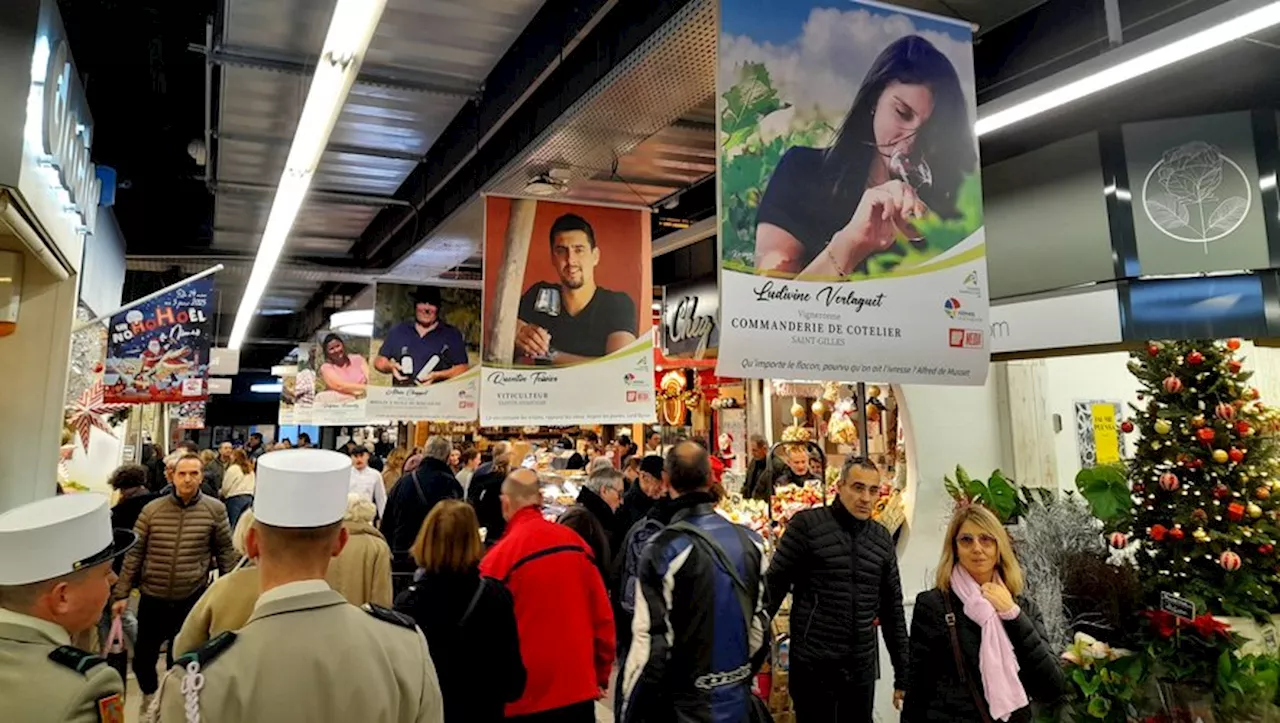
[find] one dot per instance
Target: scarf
(996, 659)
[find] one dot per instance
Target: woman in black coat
(485, 495)
(1000, 667)
(469, 621)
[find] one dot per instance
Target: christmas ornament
(1195, 463)
(1172, 384)
(1200, 535)
(1126, 426)
(1230, 561)
(873, 391)
(1158, 532)
(1199, 516)
(1266, 548)
(873, 412)
(1233, 344)
(1169, 481)
(797, 411)
(1195, 358)
(1243, 428)
(1262, 492)
(1254, 510)
(1221, 491)
(1197, 421)
(1153, 350)
(1234, 366)
(1236, 454)
(1205, 435)
(819, 408)
(1163, 426)
(91, 411)
(1119, 540)
(1176, 534)
(1235, 512)
(1255, 394)
(1139, 488)
(1220, 456)
(1225, 411)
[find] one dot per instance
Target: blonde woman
(393, 470)
(228, 602)
(362, 571)
(978, 648)
(238, 483)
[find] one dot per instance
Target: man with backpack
(699, 631)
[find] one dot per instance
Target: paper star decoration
(90, 411)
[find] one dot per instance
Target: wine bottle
(429, 367)
(406, 361)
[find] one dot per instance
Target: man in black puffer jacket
(842, 572)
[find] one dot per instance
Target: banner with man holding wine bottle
(426, 344)
(850, 210)
(568, 321)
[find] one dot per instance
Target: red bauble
(1169, 481)
(1242, 427)
(1172, 384)
(1230, 561)
(1236, 455)
(1262, 493)
(1205, 434)
(1158, 532)
(1153, 350)
(1266, 548)
(1119, 540)
(1195, 358)
(1126, 426)
(1196, 463)
(1176, 534)
(1225, 411)
(1235, 512)
(1233, 344)
(1234, 366)
(97, 368)
(1221, 491)
(1139, 488)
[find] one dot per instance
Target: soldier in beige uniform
(55, 578)
(306, 655)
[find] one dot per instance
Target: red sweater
(562, 612)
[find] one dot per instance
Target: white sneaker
(145, 712)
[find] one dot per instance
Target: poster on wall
(425, 353)
(158, 351)
(332, 380)
(567, 307)
(1098, 437)
(850, 207)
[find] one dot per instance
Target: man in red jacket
(562, 610)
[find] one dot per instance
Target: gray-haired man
(416, 493)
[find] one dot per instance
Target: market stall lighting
(266, 388)
(357, 322)
(1165, 55)
(350, 32)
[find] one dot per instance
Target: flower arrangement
(1104, 683)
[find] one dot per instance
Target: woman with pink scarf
(978, 648)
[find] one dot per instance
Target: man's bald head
(687, 467)
(520, 490)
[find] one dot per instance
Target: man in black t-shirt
(573, 320)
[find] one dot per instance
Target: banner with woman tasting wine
(568, 320)
(424, 361)
(158, 351)
(850, 206)
(332, 382)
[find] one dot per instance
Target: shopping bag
(115, 638)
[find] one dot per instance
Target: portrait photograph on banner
(332, 383)
(850, 209)
(425, 353)
(289, 407)
(158, 351)
(567, 306)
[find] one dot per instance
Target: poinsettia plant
(1189, 650)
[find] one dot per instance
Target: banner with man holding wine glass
(851, 224)
(425, 352)
(568, 323)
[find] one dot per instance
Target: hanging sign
(691, 320)
(191, 415)
(425, 353)
(567, 314)
(851, 224)
(332, 381)
(158, 351)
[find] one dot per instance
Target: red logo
(973, 339)
(964, 338)
(955, 338)
(631, 395)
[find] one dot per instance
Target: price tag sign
(1269, 640)
(1177, 606)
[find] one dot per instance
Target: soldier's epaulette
(75, 658)
(207, 652)
(387, 615)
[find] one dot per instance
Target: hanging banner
(191, 415)
(288, 396)
(850, 209)
(568, 327)
(158, 351)
(332, 381)
(426, 353)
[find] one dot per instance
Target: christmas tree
(1203, 479)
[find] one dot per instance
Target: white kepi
(301, 488)
(57, 536)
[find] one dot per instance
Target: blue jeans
(236, 506)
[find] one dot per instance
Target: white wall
(1103, 377)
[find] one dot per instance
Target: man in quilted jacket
(841, 570)
(178, 535)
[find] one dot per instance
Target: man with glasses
(593, 517)
(842, 572)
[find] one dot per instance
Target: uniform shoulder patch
(210, 650)
(111, 709)
(387, 615)
(75, 659)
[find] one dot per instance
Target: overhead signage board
(1081, 318)
(691, 320)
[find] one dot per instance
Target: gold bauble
(819, 408)
(873, 391)
(797, 410)
(1220, 456)
(1254, 511)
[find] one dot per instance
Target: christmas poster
(158, 351)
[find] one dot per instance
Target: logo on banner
(632, 380)
(971, 286)
(964, 338)
(637, 396)
(956, 310)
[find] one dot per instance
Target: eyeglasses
(967, 541)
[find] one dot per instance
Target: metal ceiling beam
(296, 233)
(330, 148)
(315, 194)
(263, 59)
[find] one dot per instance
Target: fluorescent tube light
(350, 32)
(266, 388)
(1176, 51)
(357, 322)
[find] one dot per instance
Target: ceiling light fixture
(357, 322)
(350, 32)
(266, 388)
(1167, 54)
